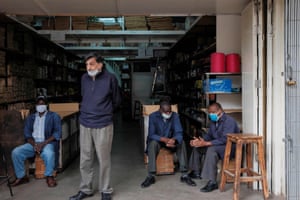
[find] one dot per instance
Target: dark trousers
(153, 150)
(197, 159)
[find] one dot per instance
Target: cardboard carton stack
(79, 23)
(114, 27)
(136, 23)
(62, 23)
(48, 24)
(95, 26)
(160, 23)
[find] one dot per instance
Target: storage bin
(217, 62)
(217, 85)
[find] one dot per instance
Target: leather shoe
(195, 175)
(106, 196)
(148, 181)
(51, 182)
(210, 186)
(187, 180)
(80, 195)
(20, 181)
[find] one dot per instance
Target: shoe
(187, 180)
(51, 182)
(80, 195)
(106, 196)
(195, 175)
(148, 181)
(20, 181)
(210, 186)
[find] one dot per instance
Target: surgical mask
(166, 116)
(41, 108)
(213, 117)
(93, 72)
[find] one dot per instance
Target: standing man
(215, 141)
(42, 133)
(100, 97)
(165, 130)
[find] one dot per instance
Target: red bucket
(217, 62)
(233, 63)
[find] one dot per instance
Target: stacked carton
(95, 26)
(79, 23)
(62, 23)
(114, 27)
(135, 23)
(160, 23)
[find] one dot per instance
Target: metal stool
(236, 174)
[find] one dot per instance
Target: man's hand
(199, 142)
(39, 147)
(171, 143)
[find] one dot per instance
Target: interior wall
(229, 41)
(141, 86)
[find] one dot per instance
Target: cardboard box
(217, 85)
(64, 109)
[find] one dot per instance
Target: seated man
(42, 133)
(215, 141)
(165, 131)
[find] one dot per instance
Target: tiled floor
(128, 172)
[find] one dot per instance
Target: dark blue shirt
(217, 133)
(170, 128)
(99, 99)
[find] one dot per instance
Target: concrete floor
(128, 171)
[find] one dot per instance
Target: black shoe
(80, 195)
(187, 180)
(148, 181)
(195, 175)
(106, 196)
(210, 186)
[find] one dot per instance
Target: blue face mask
(213, 117)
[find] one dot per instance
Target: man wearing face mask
(100, 98)
(215, 140)
(165, 131)
(42, 133)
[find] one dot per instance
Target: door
(253, 96)
(292, 72)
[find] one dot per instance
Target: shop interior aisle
(128, 172)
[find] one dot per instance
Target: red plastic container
(233, 63)
(217, 62)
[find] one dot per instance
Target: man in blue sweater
(100, 97)
(165, 131)
(42, 133)
(215, 141)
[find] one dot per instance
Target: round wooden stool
(237, 172)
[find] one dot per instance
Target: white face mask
(166, 116)
(93, 72)
(41, 108)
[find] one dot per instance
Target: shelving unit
(126, 79)
(224, 96)
(189, 60)
(31, 64)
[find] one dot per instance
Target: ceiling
(137, 42)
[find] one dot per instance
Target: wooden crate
(164, 162)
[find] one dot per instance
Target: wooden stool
(252, 176)
(164, 162)
(39, 167)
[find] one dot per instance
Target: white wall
(229, 34)
(229, 41)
